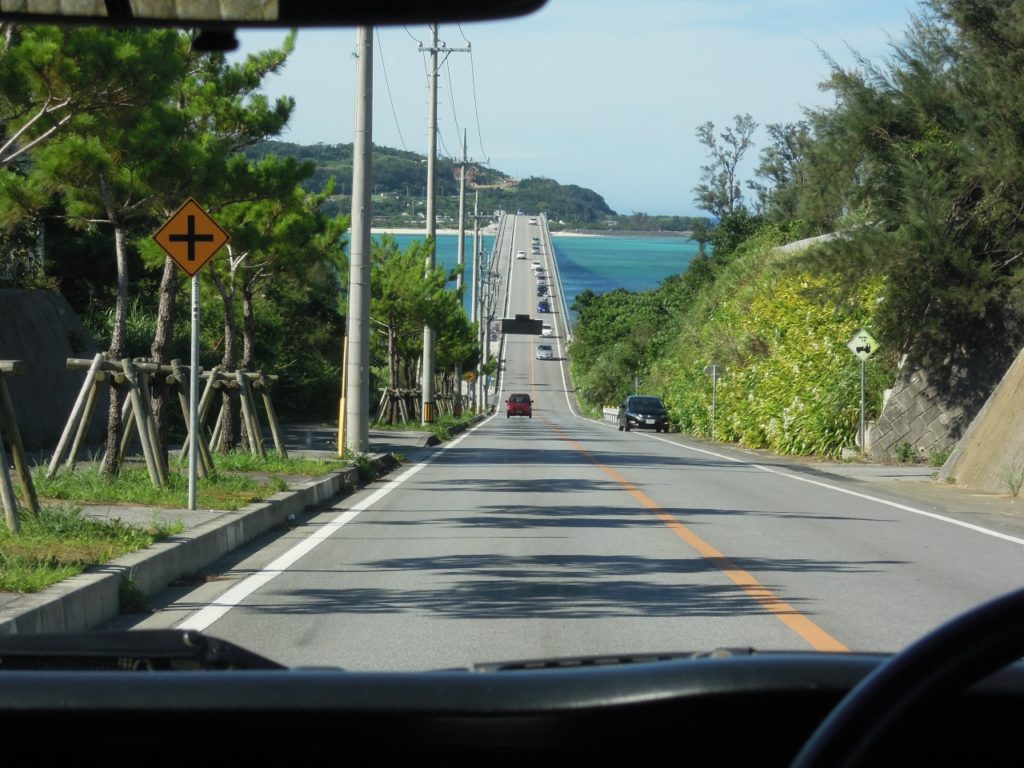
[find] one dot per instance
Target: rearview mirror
(261, 13)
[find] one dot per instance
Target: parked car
(518, 404)
(643, 412)
(545, 352)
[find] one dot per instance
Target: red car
(519, 404)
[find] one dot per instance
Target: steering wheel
(940, 665)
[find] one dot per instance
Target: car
(547, 330)
(545, 352)
(521, 255)
(643, 412)
(533, 220)
(544, 306)
(519, 404)
(535, 264)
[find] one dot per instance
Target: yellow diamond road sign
(863, 344)
(191, 237)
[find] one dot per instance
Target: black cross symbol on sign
(191, 238)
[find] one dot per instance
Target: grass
(441, 427)
(61, 542)
(133, 486)
(1013, 476)
(243, 461)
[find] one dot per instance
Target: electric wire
(476, 108)
(387, 85)
(451, 100)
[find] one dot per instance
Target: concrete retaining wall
(992, 448)
(917, 415)
(40, 328)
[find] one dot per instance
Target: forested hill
(399, 179)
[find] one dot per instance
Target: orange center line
(810, 632)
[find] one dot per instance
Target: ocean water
(604, 263)
(601, 263)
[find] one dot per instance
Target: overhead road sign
(522, 324)
(191, 237)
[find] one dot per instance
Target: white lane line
(204, 617)
(847, 491)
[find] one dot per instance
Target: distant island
(399, 179)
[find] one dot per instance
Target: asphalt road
(560, 536)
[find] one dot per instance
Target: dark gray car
(643, 412)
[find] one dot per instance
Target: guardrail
(566, 317)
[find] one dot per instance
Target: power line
(388, 86)
(451, 96)
(476, 108)
(410, 34)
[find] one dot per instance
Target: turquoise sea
(602, 263)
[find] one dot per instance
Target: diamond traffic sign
(191, 237)
(863, 344)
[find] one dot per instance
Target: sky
(606, 94)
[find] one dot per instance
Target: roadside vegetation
(916, 170)
(61, 542)
(222, 490)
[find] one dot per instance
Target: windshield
(786, 234)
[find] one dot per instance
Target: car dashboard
(727, 707)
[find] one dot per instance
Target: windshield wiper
(144, 651)
(571, 662)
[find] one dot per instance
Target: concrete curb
(82, 602)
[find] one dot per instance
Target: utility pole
(427, 384)
(357, 396)
(462, 213)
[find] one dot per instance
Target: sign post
(863, 345)
(191, 238)
(714, 371)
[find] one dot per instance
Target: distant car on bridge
(547, 330)
(545, 352)
(544, 306)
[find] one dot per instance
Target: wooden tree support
(245, 382)
(137, 412)
(404, 403)
(11, 433)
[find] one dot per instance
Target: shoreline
(492, 229)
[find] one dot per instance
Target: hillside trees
(920, 163)
(720, 192)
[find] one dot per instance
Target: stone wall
(40, 328)
(916, 414)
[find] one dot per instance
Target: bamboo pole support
(217, 427)
(150, 419)
(255, 439)
(275, 427)
(7, 494)
(83, 427)
(181, 380)
(21, 467)
(76, 414)
(127, 429)
(131, 376)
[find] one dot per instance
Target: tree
(223, 113)
(781, 170)
(719, 192)
(105, 166)
(403, 300)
